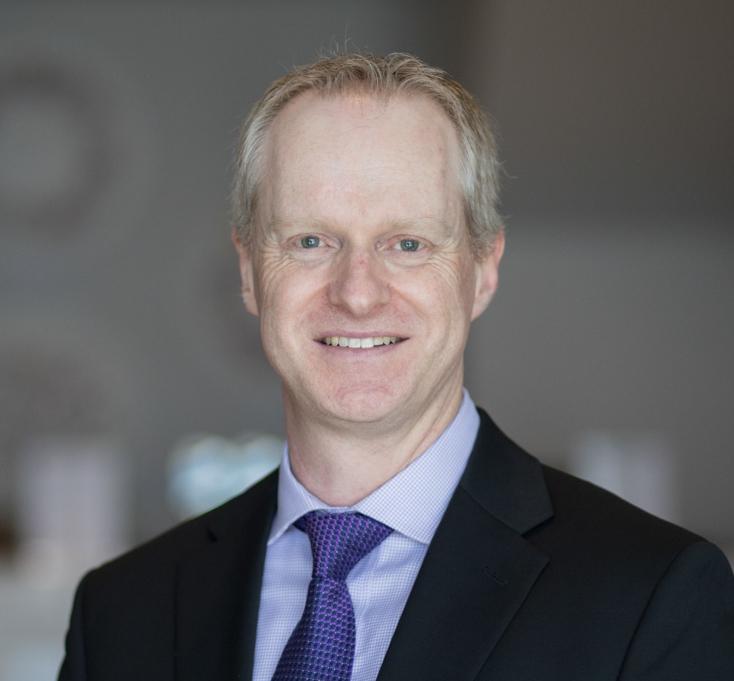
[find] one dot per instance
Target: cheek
(452, 286)
(288, 296)
(274, 298)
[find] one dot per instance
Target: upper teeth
(344, 342)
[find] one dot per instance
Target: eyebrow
(395, 226)
(410, 225)
(277, 224)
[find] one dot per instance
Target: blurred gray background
(607, 352)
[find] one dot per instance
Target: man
(404, 537)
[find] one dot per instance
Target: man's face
(361, 270)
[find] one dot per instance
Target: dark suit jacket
(532, 575)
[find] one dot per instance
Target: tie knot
(340, 540)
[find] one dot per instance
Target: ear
(486, 273)
(247, 273)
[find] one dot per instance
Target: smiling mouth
(360, 343)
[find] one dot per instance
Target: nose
(359, 283)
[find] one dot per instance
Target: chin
(363, 405)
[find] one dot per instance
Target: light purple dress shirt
(412, 503)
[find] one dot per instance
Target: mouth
(360, 343)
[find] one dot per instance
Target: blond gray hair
(387, 76)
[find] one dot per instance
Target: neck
(342, 464)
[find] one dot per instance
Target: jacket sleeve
(687, 629)
(73, 668)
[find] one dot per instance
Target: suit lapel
(218, 591)
(479, 568)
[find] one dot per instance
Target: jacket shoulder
(599, 529)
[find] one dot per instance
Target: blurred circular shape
(54, 157)
(78, 156)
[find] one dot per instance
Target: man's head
(380, 77)
(357, 253)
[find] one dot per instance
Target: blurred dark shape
(54, 157)
(8, 539)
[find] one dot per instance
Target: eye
(409, 245)
(310, 241)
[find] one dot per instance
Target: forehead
(361, 152)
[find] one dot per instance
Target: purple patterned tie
(321, 647)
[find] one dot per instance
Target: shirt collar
(427, 483)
